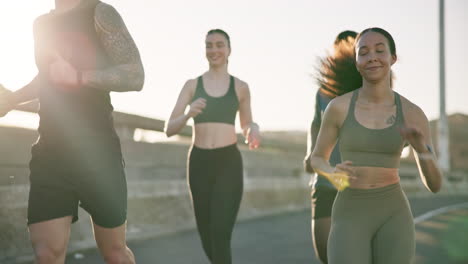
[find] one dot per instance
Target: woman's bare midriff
(214, 135)
(374, 177)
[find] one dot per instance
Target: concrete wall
(159, 200)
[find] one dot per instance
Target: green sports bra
(221, 109)
(367, 147)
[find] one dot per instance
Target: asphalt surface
(285, 238)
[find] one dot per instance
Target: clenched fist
(6, 104)
(196, 107)
(62, 73)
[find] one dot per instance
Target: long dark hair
(337, 73)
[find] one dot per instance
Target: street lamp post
(442, 128)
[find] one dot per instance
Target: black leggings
(216, 182)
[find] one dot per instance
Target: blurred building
(458, 131)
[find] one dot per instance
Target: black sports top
(82, 113)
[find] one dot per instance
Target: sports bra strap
(400, 115)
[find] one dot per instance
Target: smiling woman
(215, 170)
(372, 125)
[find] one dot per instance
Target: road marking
(439, 211)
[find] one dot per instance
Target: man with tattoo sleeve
(83, 51)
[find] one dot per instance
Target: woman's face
(217, 49)
(373, 56)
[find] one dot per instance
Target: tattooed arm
(127, 74)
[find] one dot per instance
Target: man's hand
(62, 73)
(6, 104)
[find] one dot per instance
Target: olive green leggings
(371, 226)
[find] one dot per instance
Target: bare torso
(374, 177)
(214, 135)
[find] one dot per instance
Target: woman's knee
(49, 253)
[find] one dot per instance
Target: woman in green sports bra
(215, 168)
(372, 220)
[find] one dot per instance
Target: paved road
(285, 238)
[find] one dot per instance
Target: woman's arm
(332, 121)
(326, 139)
(250, 129)
(178, 118)
(313, 133)
(417, 133)
(312, 139)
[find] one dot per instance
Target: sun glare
(17, 66)
(149, 136)
(20, 119)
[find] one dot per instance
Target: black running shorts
(91, 178)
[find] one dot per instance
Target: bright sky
(275, 45)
